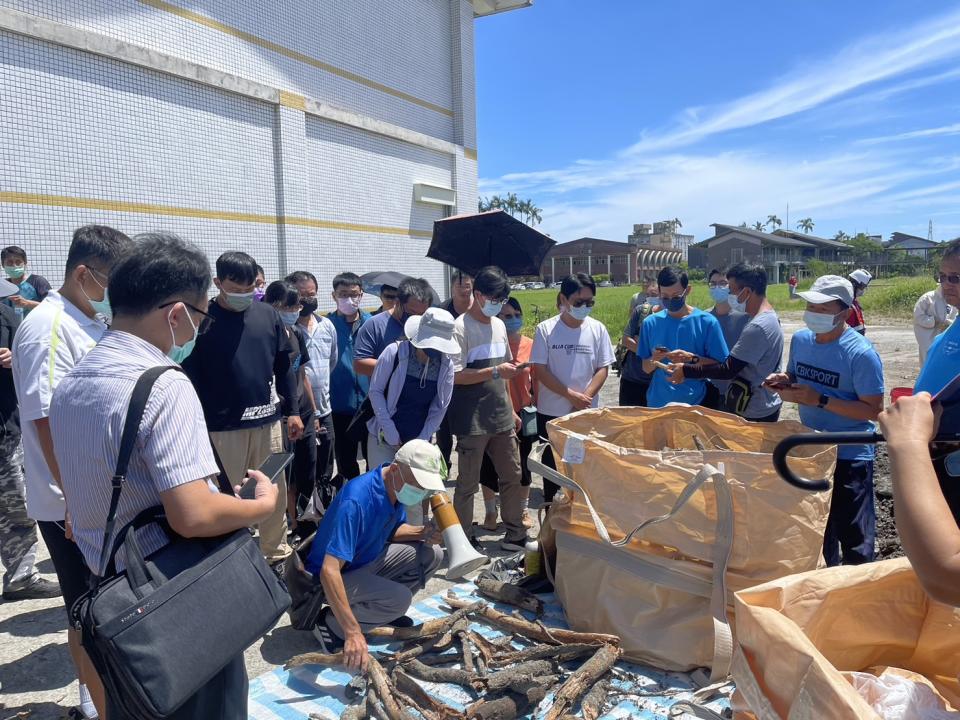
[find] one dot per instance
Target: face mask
(348, 306)
(674, 304)
(492, 309)
(289, 318)
(819, 323)
(101, 307)
(720, 294)
(513, 324)
(179, 353)
(259, 294)
(653, 301)
(858, 292)
(14, 271)
(308, 307)
(736, 305)
(579, 313)
(238, 301)
(432, 353)
(408, 495)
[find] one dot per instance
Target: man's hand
(909, 421)
(777, 380)
(355, 652)
(517, 423)
(680, 356)
(294, 428)
(67, 526)
(20, 302)
(507, 370)
(800, 394)
(430, 534)
(316, 425)
(6, 358)
(265, 493)
(676, 375)
(579, 400)
(659, 355)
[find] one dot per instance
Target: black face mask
(308, 307)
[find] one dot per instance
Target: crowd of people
(264, 371)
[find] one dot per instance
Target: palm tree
(773, 221)
(806, 224)
(758, 225)
(512, 204)
(535, 216)
(841, 236)
(523, 208)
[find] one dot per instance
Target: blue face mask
(432, 353)
(674, 304)
(492, 309)
(514, 324)
(653, 301)
(719, 294)
(409, 495)
(579, 313)
(179, 353)
(101, 307)
(290, 318)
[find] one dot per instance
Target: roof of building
(590, 246)
(909, 242)
(482, 8)
(823, 242)
(763, 237)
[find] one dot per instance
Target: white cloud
(914, 134)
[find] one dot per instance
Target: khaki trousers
(240, 450)
(504, 453)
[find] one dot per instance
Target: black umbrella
(470, 242)
(373, 281)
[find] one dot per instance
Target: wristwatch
(496, 372)
(822, 401)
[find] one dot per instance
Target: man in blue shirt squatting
(368, 559)
(678, 333)
(836, 377)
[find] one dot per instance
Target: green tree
(806, 224)
(773, 222)
(758, 226)
(841, 236)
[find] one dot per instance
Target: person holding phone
(835, 375)
(572, 355)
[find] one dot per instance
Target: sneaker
(329, 642)
(526, 519)
(404, 621)
(518, 543)
(39, 589)
(476, 544)
(490, 521)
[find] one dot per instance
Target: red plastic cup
(900, 392)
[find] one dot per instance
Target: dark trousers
(303, 469)
(445, 440)
(852, 523)
(549, 488)
(345, 445)
(325, 439)
(771, 418)
(224, 697)
(488, 473)
(633, 393)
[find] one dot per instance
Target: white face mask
(735, 304)
(492, 309)
(348, 306)
(819, 323)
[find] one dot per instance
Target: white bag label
(573, 450)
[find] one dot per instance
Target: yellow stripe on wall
(173, 211)
(291, 53)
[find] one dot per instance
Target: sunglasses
(952, 278)
(581, 303)
(204, 325)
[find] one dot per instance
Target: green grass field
(891, 298)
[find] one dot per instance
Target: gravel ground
(36, 674)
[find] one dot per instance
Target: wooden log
(501, 708)
(380, 682)
(442, 675)
(510, 594)
(408, 686)
(488, 650)
(352, 712)
(467, 648)
(437, 626)
(591, 707)
(314, 658)
(519, 675)
(519, 626)
(557, 653)
(446, 640)
(373, 707)
(581, 680)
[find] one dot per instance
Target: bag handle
(723, 541)
(131, 427)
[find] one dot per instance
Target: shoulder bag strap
(131, 426)
(223, 482)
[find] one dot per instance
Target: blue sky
(614, 112)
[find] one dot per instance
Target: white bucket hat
(433, 329)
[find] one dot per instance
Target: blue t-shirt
(347, 389)
(358, 524)
(698, 333)
(847, 368)
(378, 332)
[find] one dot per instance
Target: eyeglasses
(205, 324)
(388, 296)
(349, 296)
(952, 278)
(719, 285)
(581, 303)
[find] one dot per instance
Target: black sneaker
(329, 642)
(517, 543)
(476, 544)
(404, 621)
(39, 589)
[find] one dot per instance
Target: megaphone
(462, 558)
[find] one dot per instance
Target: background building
(321, 136)
(911, 245)
(661, 236)
(592, 256)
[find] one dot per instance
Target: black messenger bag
(158, 631)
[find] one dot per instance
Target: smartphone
(523, 365)
(272, 467)
(662, 348)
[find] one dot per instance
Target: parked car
(518, 286)
(605, 283)
(535, 286)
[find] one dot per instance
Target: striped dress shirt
(86, 419)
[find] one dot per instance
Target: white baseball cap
(425, 462)
(829, 288)
(433, 329)
(861, 276)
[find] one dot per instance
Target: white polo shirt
(50, 341)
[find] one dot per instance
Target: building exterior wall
(295, 131)
(731, 251)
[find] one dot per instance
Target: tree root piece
(582, 679)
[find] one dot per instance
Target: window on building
(736, 255)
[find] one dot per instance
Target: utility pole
(930, 231)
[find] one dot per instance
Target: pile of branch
(506, 683)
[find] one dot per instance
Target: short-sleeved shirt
(847, 368)
(347, 389)
(32, 287)
(573, 356)
(49, 343)
(633, 364)
(300, 358)
(483, 408)
(322, 346)
(760, 346)
(87, 418)
(731, 324)
(378, 332)
(9, 417)
(358, 524)
(521, 384)
(698, 333)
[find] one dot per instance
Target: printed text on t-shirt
(817, 375)
(572, 348)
